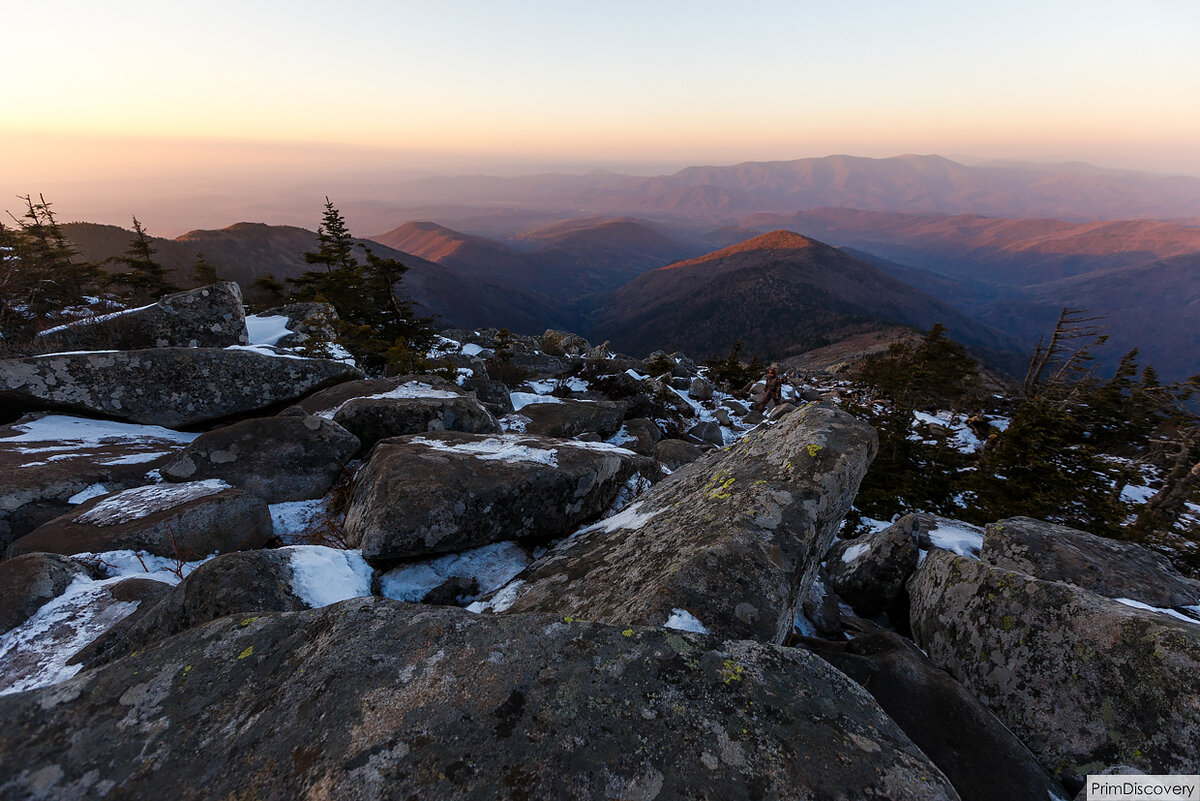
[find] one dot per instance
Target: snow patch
(81, 432)
(1159, 609)
(134, 458)
(294, 519)
(89, 320)
(1136, 494)
(961, 538)
(492, 566)
(139, 502)
(266, 330)
(323, 576)
(855, 551)
(86, 494)
(470, 349)
(683, 620)
(630, 518)
(522, 399)
(514, 423)
(505, 448)
(502, 600)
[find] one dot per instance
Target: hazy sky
(127, 96)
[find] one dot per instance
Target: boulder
(493, 394)
(1108, 567)
(50, 462)
(172, 387)
(869, 572)
(178, 521)
(289, 458)
(378, 408)
(638, 435)
(821, 607)
(29, 580)
(451, 491)
(209, 317)
(570, 418)
(731, 544)
(372, 698)
(701, 389)
(1085, 681)
(675, 453)
(233, 583)
(310, 324)
(981, 758)
(709, 432)
(563, 343)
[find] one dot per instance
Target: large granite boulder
(452, 491)
(288, 458)
(371, 698)
(178, 521)
(29, 580)
(1085, 681)
(869, 572)
(563, 343)
(172, 387)
(981, 757)
(51, 462)
(731, 543)
(1105, 566)
(379, 408)
(564, 418)
(675, 453)
(209, 317)
(232, 583)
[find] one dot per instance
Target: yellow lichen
(628, 632)
(246, 653)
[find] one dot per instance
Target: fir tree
(335, 246)
(204, 273)
(144, 278)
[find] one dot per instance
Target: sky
(128, 101)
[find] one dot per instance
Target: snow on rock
(471, 349)
(90, 320)
(961, 538)
(266, 330)
(140, 564)
(80, 432)
(502, 600)
(139, 502)
(635, 486)
(134, 458)
(629, 518)
(962, 437)
(683, 620)
(1160, 610)
(323, 575)
(1136, 494)
(35, 653)
(87, 493)
(267, 350)
(546, 386)
(491, 566)
(505, 448)
(522, 399)
(855, 551)
(514, 423)
(294, 519)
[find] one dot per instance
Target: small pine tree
(144, 279)
(335, 246)
(204, 273)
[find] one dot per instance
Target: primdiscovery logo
(1143, 788)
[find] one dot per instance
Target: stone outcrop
(451, 491)
(178, 521)
(287, 458)
(563, 343)
(311, 324)
(869, 572)
(370, 698)
(981, 758)
(209, 317)
(1105, 566)
(570, 418)
(29, 580)
(1083, 680)
(172, 387)
(732, 542)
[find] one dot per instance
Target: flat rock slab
(1105, 566)
(208, 317)
(47, 461)
(732, 542)
(279, 459)
(451, 491)
(1083, 680)
(178, 521)
(172, 387)
(374, 699)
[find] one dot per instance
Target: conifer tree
(335, 246)
(204, 273)
(144, 278)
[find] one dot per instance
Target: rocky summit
(531, 569)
